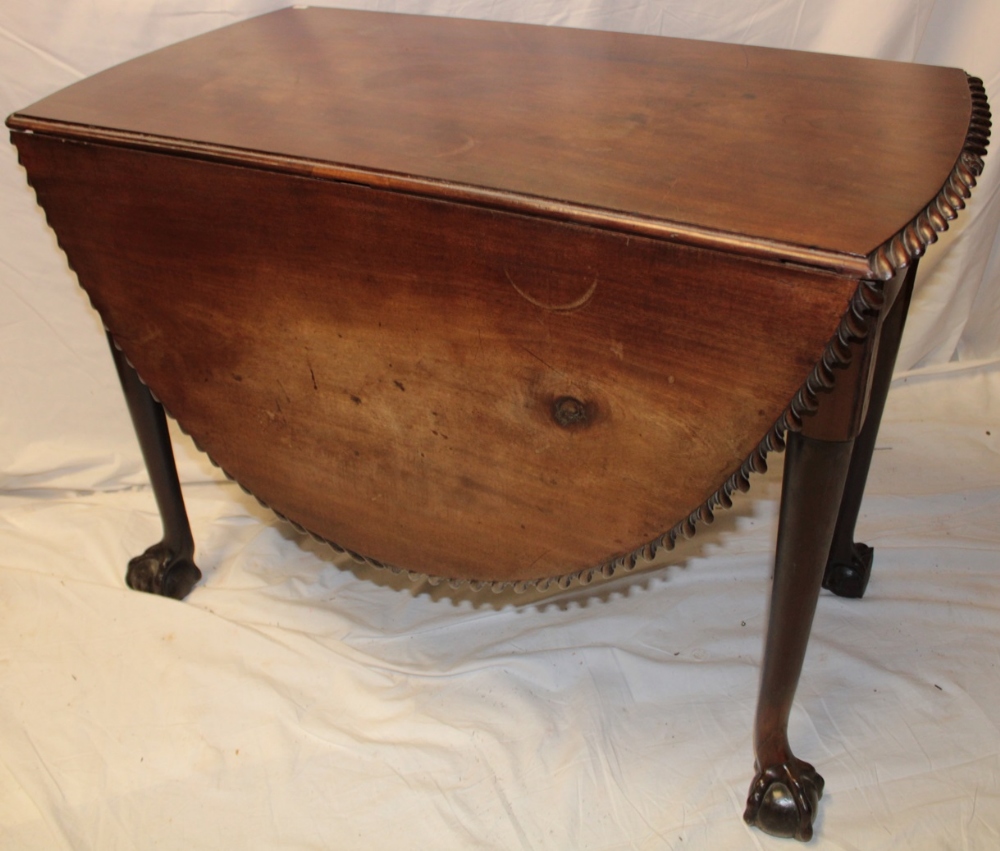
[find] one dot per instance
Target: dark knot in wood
(569, 412)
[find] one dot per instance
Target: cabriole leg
(850, 563)
(785, 791)
(166, 568)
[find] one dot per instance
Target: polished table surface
(792, 154)
(507, 304)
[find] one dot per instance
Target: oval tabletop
(482, 300)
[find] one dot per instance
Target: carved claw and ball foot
(848, 577)
(166, 568)
(784, 800)
(159, 570)
(784, 796)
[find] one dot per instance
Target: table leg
(785, 791)
(166, 568)
(850, 563)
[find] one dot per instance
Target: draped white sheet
(295, 701)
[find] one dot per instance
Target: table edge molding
(910, 243)
(881, 263)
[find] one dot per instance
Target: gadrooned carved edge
(911, 242)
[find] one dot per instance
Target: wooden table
(510, 304)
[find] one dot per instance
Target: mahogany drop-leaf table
(512, 304)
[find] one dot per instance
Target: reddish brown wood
(786, 790)
(745, 145)
(500, 302)
(387, 371)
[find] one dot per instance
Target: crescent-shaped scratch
(559, 308)
(467, 145)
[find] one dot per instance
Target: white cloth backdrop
(294, 701)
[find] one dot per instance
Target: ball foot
(161, 571)
(784, 799)
(849, 578)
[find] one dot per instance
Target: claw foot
(850, 578)
(161, 571)
(784, 799)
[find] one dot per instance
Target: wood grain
(797, 155)
(387, 370)
(496, 301)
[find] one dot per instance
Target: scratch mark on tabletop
(542, 361)
(575, 304)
